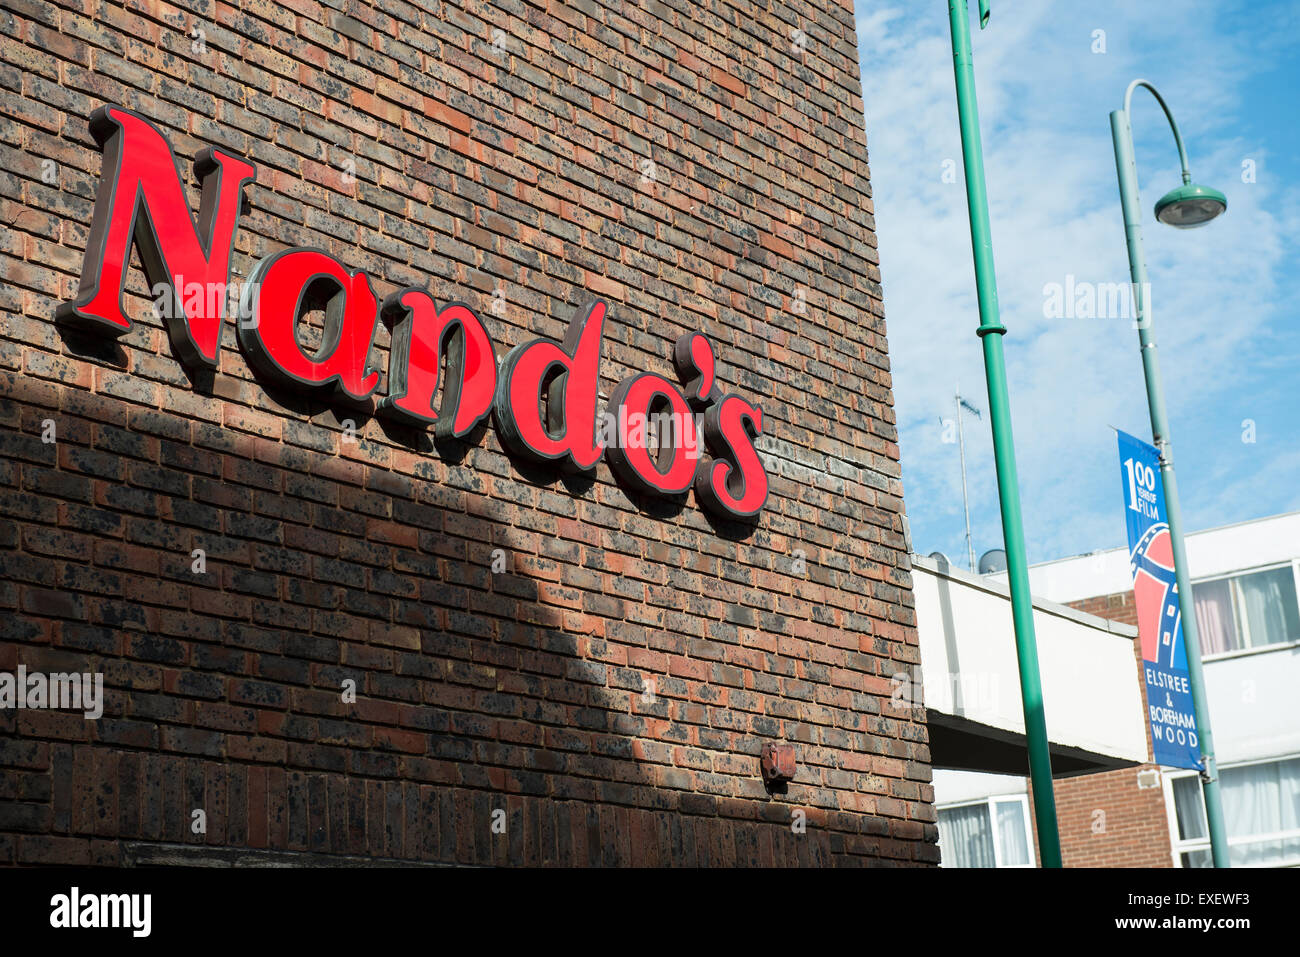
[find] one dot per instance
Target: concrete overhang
(970, 682)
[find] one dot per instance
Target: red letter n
(141, 195)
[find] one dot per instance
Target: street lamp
(990, 332)
(1185, 207)
(1190, 206)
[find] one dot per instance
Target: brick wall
(499, 157)
(1120, 607)
(1106, 819)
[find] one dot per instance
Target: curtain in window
(966, 836)
(1262, 799)
(1011, 833)
(1213, 601)
(1268, 605)
(1190, 810)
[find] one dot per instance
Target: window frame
(1022, 799)
(1293, 564)
(1178, 847)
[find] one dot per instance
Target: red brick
(333, 560)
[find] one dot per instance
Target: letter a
(285, 284)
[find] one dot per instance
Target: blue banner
(1155, 595)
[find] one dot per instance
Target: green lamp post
(990, 332)
(1185, 207)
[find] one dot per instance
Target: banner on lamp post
(1174, 740)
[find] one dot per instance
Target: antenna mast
(965, 498)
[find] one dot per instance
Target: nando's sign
(543, 397)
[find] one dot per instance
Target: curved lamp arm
(1178, 137)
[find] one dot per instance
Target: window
(1261, 811)
(1247, 611)
(992, 833)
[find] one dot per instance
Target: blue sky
(1226, 305)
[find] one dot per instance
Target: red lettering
(422, 336)
(544, 400)
(563, 379)
(287, 284)
(734, 484)
(693, 359)
(141, 196)
(645, 404)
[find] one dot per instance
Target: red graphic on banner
(1154, 595)
(544, 399)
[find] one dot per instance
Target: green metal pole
(1126, 166)
(990, 332)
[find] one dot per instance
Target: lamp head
(1190, 206)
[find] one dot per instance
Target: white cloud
(1219, 297)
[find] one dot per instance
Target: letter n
(141, 197)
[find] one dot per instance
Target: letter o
(671, 469)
